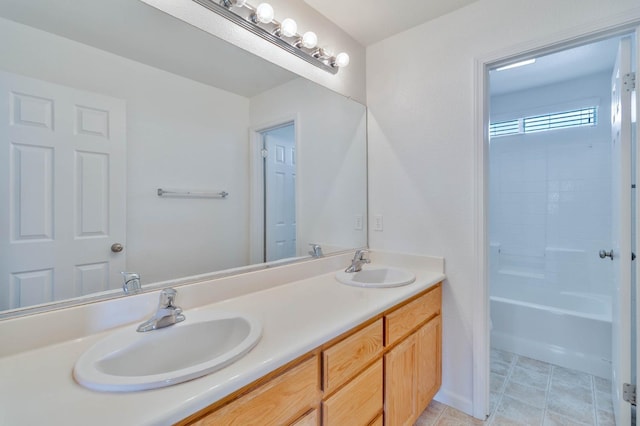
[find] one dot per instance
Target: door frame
(256, 182)
(617, 25)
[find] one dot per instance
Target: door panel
(280, 188)
(63, 170)
(621, 231)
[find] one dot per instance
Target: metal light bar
(316, 56)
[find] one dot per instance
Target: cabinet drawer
(358, 402)
(309, 419)
(277, 402)
(344, 359)
(403, 320)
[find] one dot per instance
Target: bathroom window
(504, 128)
(558, 120)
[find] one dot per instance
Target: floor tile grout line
(595, 400)
(547, 393)
(512, 364)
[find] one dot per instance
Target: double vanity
(295, 344)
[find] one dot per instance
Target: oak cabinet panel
(429, 339)
(413, 374)
(344, 359)
(403, 320)
(401, 385)
(277, 402)
(310, 419)
(357, 403)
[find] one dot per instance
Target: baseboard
(454, 400)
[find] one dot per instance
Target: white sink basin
(128, 360)
(377, 276)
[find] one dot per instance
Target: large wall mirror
(132, 141)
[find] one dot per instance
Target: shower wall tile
(553, 191)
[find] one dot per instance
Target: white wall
(348, 81)
(180, 134)
(550, 202)
(421, 98)
(331, 159)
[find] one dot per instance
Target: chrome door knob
(603, 254)
(117, 247)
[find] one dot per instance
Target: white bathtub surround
(550, 214)
(563, 337)
(300, 306)
(551, 313)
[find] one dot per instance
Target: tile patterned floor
(526, 392)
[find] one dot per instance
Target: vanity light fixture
(261, 21)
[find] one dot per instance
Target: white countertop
(37, 387)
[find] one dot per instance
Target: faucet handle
(167, 298)
(363, 255)
(316, 250)
(130, 276)
(131, 282)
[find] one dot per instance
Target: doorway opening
(559, 238)
(274, 168)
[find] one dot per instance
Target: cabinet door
(429, 361)
(401, 383)
(358, 402)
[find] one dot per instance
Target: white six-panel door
(280, 188)
(62, 191)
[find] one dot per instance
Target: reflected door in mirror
(279, 148)
(62, 170)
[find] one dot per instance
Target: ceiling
(142, 33)
(369, 21)
(557, 67)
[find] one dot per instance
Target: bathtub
(569, 329)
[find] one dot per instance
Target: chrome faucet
(131, 282)
(167, 313)
(359, 259)
(316, 250)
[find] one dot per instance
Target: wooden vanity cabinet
(383, 372)
(413, 364)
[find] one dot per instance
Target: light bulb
(288, 27)
(309, 39)
(342, 60)
(264, 13)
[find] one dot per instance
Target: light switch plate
(378, 223)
